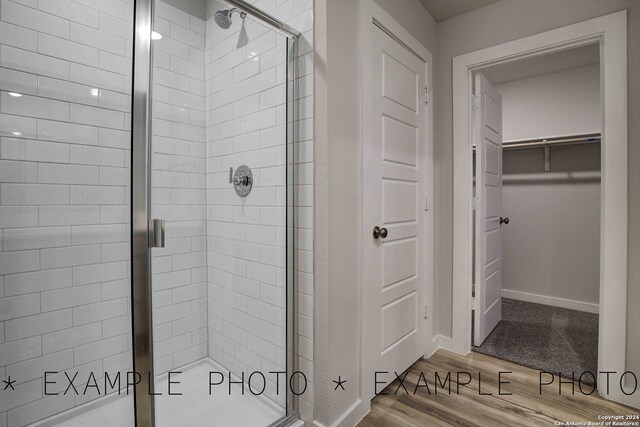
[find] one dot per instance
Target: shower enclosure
(147, 155)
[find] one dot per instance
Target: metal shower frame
(142, 225)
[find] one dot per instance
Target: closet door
(394, 248)
(488, 141)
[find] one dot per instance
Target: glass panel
(219, 285)
(65, 84)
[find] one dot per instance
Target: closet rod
(590, 138)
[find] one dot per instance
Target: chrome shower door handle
(157, 238)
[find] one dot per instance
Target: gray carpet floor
(546, 338)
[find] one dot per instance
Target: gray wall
(414, 18)
(498, 23)
(553, 104)
(551, 246)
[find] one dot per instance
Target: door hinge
(427, 91)
(474, 303)
(426, 203)
(475, 102)
(475, 203)
(426, 312)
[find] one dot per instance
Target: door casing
(610, 31)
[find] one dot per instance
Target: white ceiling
(545, 64)
(441, 10)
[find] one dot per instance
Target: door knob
(504, 220)
(379, 232)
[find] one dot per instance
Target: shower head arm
(236, 10)
(249, 9)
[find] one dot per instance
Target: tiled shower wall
(246, 113)
(180, 275)
(64, 198)
(64, 193)
(246, 124)
(239, 82)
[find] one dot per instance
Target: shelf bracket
(547, 156)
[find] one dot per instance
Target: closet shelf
(547, 143)
(589, 138)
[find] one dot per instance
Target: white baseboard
(351, 416)
(553, 301)
(440, 341)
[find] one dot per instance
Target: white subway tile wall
(219, 285)
(179, 280)
(64, 199)
(246, 124)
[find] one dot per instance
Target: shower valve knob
(242, 180)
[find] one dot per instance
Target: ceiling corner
(441, 10)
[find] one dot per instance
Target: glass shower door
(85, 163)
(219, 181)
(65, 145)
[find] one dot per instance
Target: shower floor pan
(194, 408)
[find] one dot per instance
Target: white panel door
(394, 269)
(487, 136)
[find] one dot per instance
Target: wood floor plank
(466, 407)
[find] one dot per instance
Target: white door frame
(610, 31)
(373, 16)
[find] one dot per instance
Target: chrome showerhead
(223, 17)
